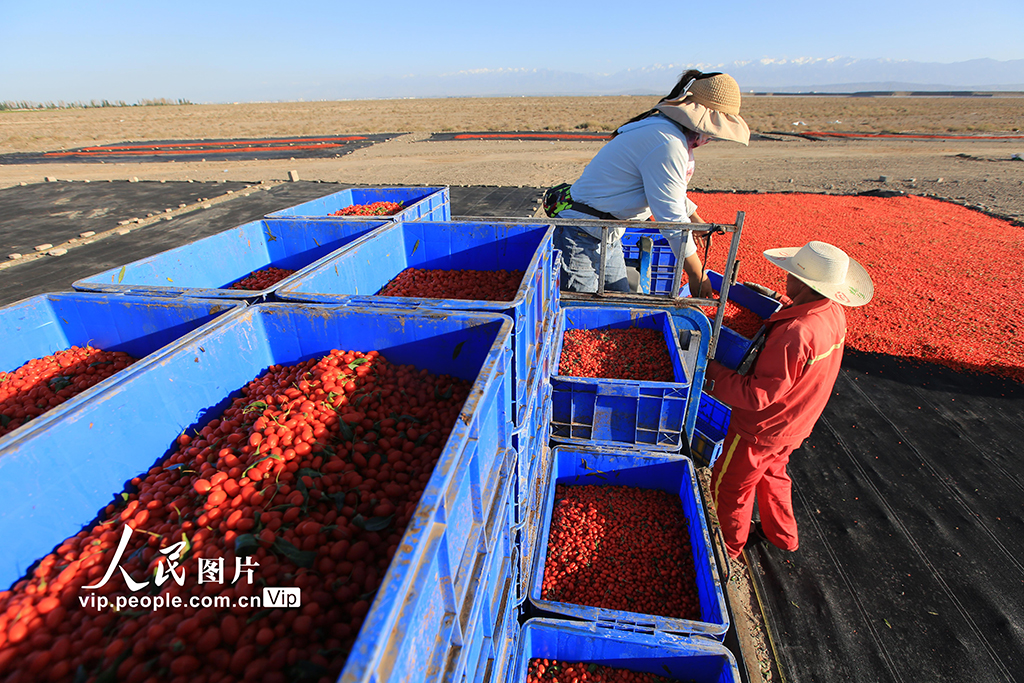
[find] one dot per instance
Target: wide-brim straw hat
(710, 106)
(827, 270)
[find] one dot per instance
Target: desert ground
(979, 161)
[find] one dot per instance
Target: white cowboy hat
(827, 270)
(710, 106)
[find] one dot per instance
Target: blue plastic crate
(528, 441)
(579, 466)
(92, 450)
(533, 488)
(419, 204)
(694, 330)
(685, 659)
(661, 254)
(47, 323)
(206, 268)
(615, 412)
(732, 346)
(709, 435)
(556, 282)
(656, 266)
(483, 623)
(355, 275)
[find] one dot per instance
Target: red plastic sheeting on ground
(948, 285)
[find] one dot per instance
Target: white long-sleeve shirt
(644, 170)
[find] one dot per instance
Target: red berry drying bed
(947, 278)
(633, 353)
(585, 672)
(621, 548)
(44, 383)
(261, 279)
(372, 209)
(313, 472)
(475, 285)
(739, 319)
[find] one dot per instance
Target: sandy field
(978, 171)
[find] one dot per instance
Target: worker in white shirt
(642, 172)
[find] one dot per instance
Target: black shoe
(759, 537)
(756, 537)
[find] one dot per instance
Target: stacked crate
(467, 569)
(449, 604)
(610, 432)
(648, 251)
(354, 275)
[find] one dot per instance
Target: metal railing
(672, 300)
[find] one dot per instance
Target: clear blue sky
(229, 50)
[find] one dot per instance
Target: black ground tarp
(202, 150)
(910, 501)
(30, 221)
(56, 212)
(486, 200)
(909, 494)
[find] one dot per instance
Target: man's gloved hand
(761, 289)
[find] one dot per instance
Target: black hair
(676, 91)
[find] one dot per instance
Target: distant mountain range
(833, 75)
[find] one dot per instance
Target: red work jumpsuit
(774, 408)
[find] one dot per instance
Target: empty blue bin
(598, 467)
(206, 268)
(681, 658)
(709, 434)
(732, 346)
(418, 204)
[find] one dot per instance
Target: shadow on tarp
(206, 150)
(976, 380)
(909, 496)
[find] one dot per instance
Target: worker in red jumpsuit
(776, 403)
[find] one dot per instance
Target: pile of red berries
(632, 353)
(474, 285)
(585, 672)
(739, 319)
(261, 279)
(371, 209)
(926, 289)
(44, 383)
(621, 548)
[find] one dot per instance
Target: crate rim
(438, 189)
(227, 293)
(557, 348)
(289, 293)
(599, 615)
